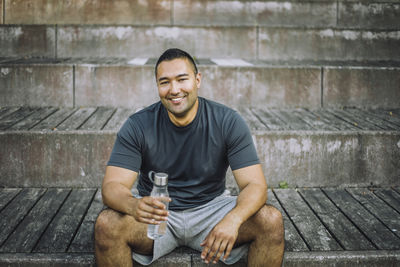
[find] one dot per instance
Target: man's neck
(187, 118)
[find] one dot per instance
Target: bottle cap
(160, 178)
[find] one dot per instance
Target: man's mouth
(176, 100)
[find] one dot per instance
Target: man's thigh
(124, 227)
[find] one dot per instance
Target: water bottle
(160, 189)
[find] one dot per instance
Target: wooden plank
(61, 230)
(334, 121)
(353, 120)
(382, 124)
(118, 118)
(253, 122)
(293, 240)
(83, 241)
(5, 111)
(270, 120)
(28, 232)
(51, 122)
(378, 207)
(16, 117)
(98, 119)
(33, 119)
(388, 116)
(291, 120)
(76, 120)
(345, 232)
(391, 197)
(6, 195)
(313, 231)
(15, 211)
(375, 231)
(314, 121)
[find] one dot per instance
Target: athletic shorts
(190, 227)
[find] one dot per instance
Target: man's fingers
(228, 250)
(220, 251)
(207, 244)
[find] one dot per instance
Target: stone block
(36, 85)
(323, 159)
(244, 12)
(369, 15)
(27, 41)
(262, 86)
(127, 41)
(328, 44)
(88, 12)
(117, 86)
(1, 12)
(54, 159)
(128, 86)
(361, 87)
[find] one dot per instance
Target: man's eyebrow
(177, 76)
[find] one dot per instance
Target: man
(193, 140)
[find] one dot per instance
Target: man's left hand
(220, 240)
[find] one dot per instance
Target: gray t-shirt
(195, 157)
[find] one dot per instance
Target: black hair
(174, 53)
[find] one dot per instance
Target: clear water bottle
(160, 189)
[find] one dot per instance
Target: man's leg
(115, 235)
(264, 230)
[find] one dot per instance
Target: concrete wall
(368, 14)
(303, 159)
(122, 85)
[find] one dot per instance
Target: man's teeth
(177, 99)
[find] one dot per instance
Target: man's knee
(107, 228)
(269, 221)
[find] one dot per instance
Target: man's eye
(163, 83)
(181, 80)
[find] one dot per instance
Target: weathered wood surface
(52, 221)
(313, 231)
(76, 120)
(339, 225)
(118, 119)
(16, 210)
(293, 240)
(36, 117)
(25, 236)
(62, 229)
(104, 118)
(374, 229)
(376, 206)
(51, 122)
(98, 120)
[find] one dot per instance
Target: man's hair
(174, 53)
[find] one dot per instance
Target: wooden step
(322, 226)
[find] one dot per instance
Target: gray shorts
(190, 227)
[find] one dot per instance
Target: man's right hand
(150, 210)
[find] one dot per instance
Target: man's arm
(252, 196)
(116, 192)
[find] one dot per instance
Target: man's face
(177, 86)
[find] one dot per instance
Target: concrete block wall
(301, 53)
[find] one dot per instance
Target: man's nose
(174, 88)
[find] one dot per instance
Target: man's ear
(198, 79)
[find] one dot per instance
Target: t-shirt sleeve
(127, 148)
(240, 145)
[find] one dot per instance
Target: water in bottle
(160, 189)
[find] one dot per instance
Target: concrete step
(366, 14)
(58, 147)
(323, 227)
(248, 42)
(235, 82)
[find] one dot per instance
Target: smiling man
(194, 140)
